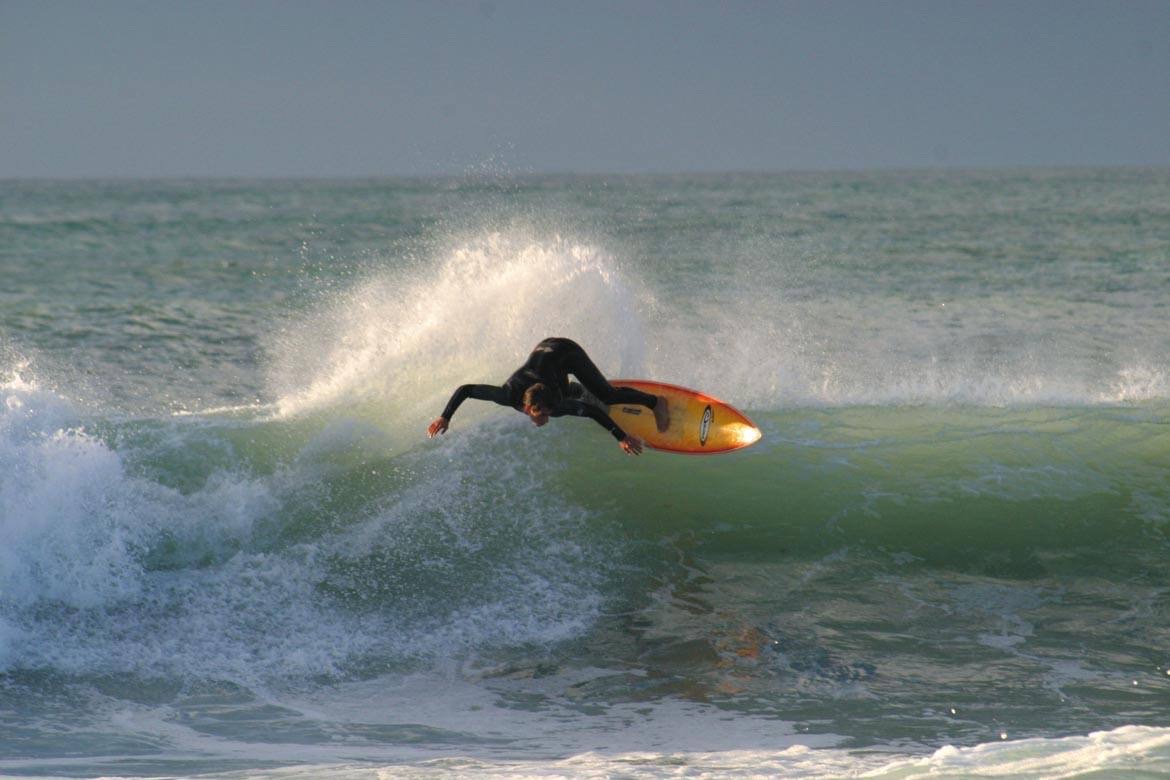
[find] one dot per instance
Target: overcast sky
(266, 88)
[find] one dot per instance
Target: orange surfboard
(699, 424)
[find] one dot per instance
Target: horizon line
(473, 174)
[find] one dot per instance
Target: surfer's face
(538, 414)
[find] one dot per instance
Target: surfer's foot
(661, 414)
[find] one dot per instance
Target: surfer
(541, 389)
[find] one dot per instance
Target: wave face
(226, 545)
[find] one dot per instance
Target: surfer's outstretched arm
(480, 392)
(632, 445)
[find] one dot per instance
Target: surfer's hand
(437, 427)
(631, 445)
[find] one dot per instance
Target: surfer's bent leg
(577, 363)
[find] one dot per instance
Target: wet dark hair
(540, 395)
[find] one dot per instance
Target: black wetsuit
(550, 364)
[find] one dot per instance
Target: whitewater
(228, 549)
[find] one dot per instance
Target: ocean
(227, 547)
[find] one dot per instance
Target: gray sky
(266, 88)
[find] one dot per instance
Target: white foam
(76, 530)
(1122, 752)
(60, 503)
(1127, 749)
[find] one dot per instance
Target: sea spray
(399, 339)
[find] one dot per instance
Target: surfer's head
(538, 403)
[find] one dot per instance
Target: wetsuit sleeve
(582, 409)
(480, 392)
